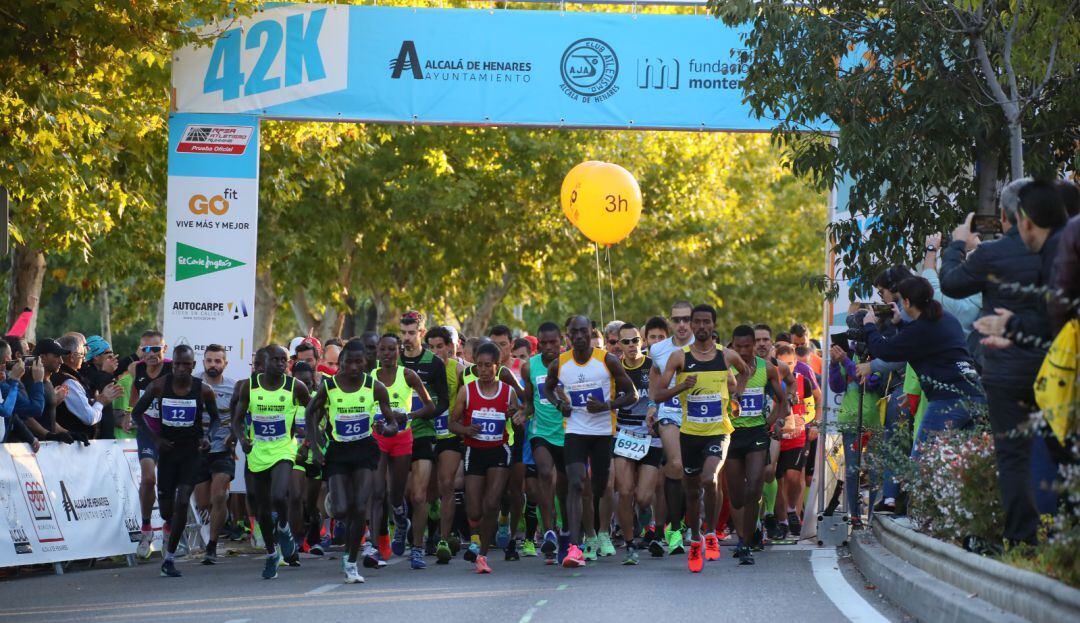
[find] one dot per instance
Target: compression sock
(531, 520)
(211, 547)
(768, 496)
(461, 518)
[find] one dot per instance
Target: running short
(748, 440)
(517, 451)
(555, 451)
(177, 468)
(792, 459)
(423, 448)
(399, 445)
(450, 444)
(653, 458)
(479, 460)
(266, 474)
(695, 449)
(218, 463)
(594, 450)
(346, 457)
(310, 469)
(145, 443)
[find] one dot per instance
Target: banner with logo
(68, 501)
(469, 66)
(212, 233)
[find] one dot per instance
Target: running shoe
(528, 548)
(574, 557)
(401, 535)
(674, 542)
(454, 541)
(757, 543)
(430, 544)
(564, 546)
(772, 529)
(270, 569)
(416, 559)
(443, 554)
(712, 547)
(383, 543)
(631, 557)
(605, 548)
(316, 550)
(549, 559)
(471, 553)
(209, 558)
(551, 543)
(747, 557)
(326, 542)
(784, 531)
(352, 574)
(795, 524)
(589, 553)
(286, 542)
(693, 558)
(294, 560)
(511, 550)
(372, 558)
(502, 537)
(146, 544)
(482, 565)
(169, 570)
(656, 549)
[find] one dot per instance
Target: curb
(1009, 590)
(917, 592)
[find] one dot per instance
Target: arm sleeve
(79, 405)
(961, 277)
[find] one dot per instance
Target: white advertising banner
(211, 236)
(68, 502)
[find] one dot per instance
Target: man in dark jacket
(1008, 373)
(100, 370)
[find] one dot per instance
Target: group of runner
(417, 443)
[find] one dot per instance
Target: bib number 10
(224, 72)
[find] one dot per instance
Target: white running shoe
(352, 574)
(146, 543)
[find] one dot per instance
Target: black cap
(50, 347)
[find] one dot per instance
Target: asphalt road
(782, 586)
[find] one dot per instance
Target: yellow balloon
(566, 195)
(602, 200)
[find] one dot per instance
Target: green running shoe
(674, 541)
(528, 548)
(443, 553)
(631, 556)
(589, 552)
(605, 547)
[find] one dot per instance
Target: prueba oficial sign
(467, 66)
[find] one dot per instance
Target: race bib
(633, 446)
(540, 384)
(352, 426)
(268, 427)
(417, 404)
(671, 406)
(492, 424)
(752, 403)
(705, 408)
(442, 424)
(579, 394)
(178, 412)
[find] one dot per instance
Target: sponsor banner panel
(467, 66)
(67, 502)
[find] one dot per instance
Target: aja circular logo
(589, 67)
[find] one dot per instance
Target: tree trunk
(106, 312)
(1016, 147)
(478, 321)
(27, 273)
(371, 316)
(987, 180)
(266, 303)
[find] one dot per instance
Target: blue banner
(471, 67)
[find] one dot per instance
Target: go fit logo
(217, 205)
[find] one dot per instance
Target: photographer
(933, 344)
(844, 379)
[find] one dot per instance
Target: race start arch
(405, 65)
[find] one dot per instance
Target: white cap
(453, 333)
(296, 341)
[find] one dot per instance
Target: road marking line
(541, 602)
(851, 604)
(238, 621)
(325, 588)
(561, 587)
(525, 618)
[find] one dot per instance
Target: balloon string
(611, 283)
(599, 290)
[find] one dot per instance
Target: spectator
(1070, 196)
(78, 413)
(1008, 373)
(1067, 280)
(100, 370)
(933, 344)
(14, 429)
(845, 379)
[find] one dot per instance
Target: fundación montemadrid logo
(589, 69)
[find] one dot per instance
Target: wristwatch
(930, 248)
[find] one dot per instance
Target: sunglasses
(151, 349)
(613, 342)
(680, 319)
(630, 340)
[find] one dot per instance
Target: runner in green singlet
(271, 398)
(448, 449)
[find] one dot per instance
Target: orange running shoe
(573, 557)
(481, 565)
(712, 547)
(693, 559)
(384, 547)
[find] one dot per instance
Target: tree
(906, 97)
